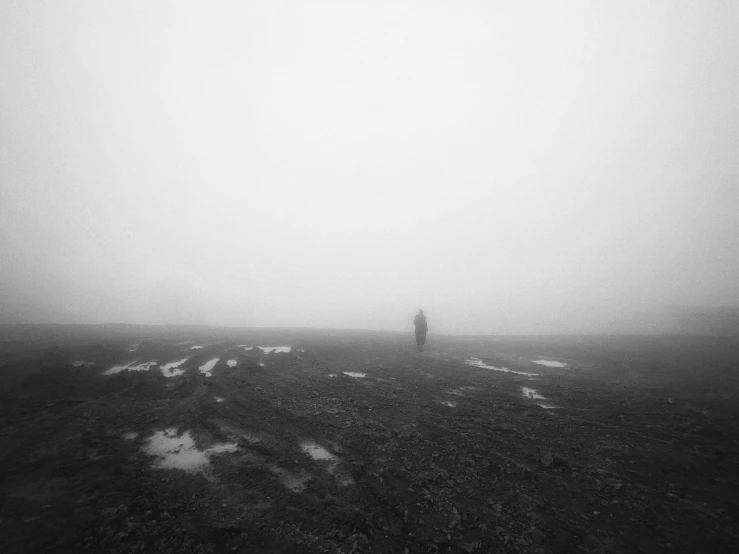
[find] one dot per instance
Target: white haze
(509, 167)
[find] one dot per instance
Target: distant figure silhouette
(421, 329)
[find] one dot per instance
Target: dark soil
(432, 454)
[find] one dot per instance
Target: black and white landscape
(226, 228)
(190, 439)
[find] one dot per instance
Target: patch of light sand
(145, 366)
(531, 393)
(549, 407)
(450, 404)
(232, 363)
(208, 366)
(172, 369)
(477, 362)
(550, 363)
(196, 348)
(218, 399)
(354, 374)
(130, 435)
(175, 451)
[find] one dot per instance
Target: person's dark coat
(421, 329)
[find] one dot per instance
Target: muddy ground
(415, 452)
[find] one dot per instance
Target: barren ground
(424, 453)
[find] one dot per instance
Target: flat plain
(118, 438)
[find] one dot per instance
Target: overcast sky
(509, 167)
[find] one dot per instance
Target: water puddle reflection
(206, 368)
(145, 366)
(477, 362)
(531, 393)
(331, 461)
(317, 452)
(275, 349)
(355, 374)
(268, 349)
(175, 451)
(550, 363)
(232, 363)
(172, 369)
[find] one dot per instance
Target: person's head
(420, 312)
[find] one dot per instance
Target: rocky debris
(491, 475)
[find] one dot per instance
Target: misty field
(191, 439)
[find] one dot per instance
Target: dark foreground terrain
(415, 452)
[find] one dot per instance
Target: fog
(509, 167)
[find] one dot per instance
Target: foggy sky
(509, 167)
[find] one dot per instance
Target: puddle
(179, 452)
(130, 436)
(549, 407)
(450, 404)
(133, 347)
(232, 363)
(172, 369)
(219, 399)
(320, 454)
(130, 367)
(208, 366)
(261, 364)
(332, 375)
(317, 452)
(267, 349)
(184, 342)
(82, 363)
(196, 348)
(477, 362)
(531, 393)
(550, 363)
(274, 349)
(354, 374)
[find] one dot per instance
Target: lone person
(421, 329)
